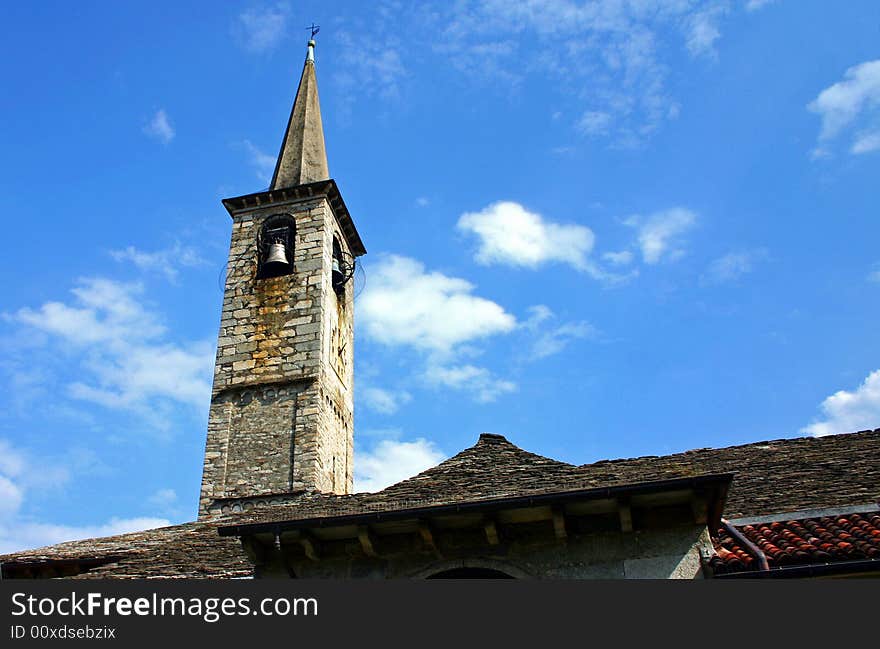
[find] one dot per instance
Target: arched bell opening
(275, 242)
(342, 268)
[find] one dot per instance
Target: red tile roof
(803, 542)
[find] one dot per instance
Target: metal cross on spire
(310, 55)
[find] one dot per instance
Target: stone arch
(277, 228)
(478, 568)
(471, 573)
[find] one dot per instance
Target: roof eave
(717, 483)
(839, 568)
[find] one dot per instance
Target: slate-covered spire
(303, 158)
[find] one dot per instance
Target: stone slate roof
(777, 476)
(771, 477)
(493, 468)
(193, 550)
(810, 541)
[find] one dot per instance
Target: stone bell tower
(282, 407)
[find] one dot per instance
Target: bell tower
(281, 414)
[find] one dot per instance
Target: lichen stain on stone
(271, 297)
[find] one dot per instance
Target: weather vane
(315, 29)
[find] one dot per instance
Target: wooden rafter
(368, 541)
(491, 531)
(559, 524)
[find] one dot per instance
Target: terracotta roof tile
(807, 541)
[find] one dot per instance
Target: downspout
(750, 547)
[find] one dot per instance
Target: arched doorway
(470, 573)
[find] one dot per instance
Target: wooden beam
(559, 524)
(700, 508)
(368, 541)
(491, 531)
(286, 553)
(427, 535)
(625, 512)
(309, 544)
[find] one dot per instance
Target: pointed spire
(303, 158)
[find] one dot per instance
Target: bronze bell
(336, 274)
(276, 259)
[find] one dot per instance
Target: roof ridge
(694, 451)
(486, 446)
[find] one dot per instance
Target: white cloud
(370, 63)
(841, 105)
(847, 412)
(133, 378)
(703, 30)
(385, 402)
(263, 163)
(594, 122)
(166, 262)
(104, 311)
(732, 266)
(165, 502)
(550, 340)
(607, 57)
(538, 314)
(25, 535)
(439, 317)
(621, 258)
(163, 498)
(405, 305)
(866, 142)
(159, 127)
(423, 201)
(262, 28)
(11, 497)
(510, 234)
(754, 5)
(12, 462)
(391, 461)
(478, 382)
(556, 339)
(14, 471)
(660, 234)
(20, 474)
(123, 359)
(874, 275)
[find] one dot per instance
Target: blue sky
(605, 229)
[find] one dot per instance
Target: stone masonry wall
(669, 553)
(336, 418)
(255, 430)
(271, 429)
